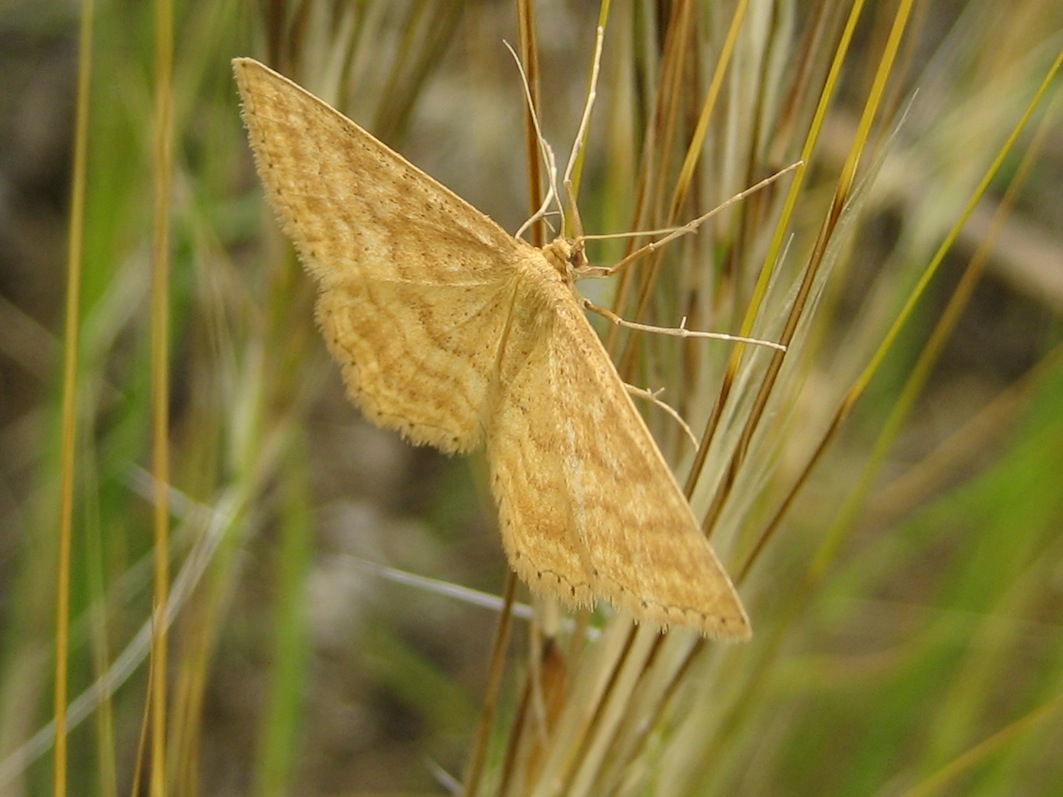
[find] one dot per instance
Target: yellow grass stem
(160, 386)
(74, 265)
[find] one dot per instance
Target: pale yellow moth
(457, 334)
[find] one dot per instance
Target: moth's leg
(671, 233)
(653, 396)
(680, 332)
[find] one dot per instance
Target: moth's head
(568, 257)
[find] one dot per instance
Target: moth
(460, 335)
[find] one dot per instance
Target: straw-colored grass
(886, 494)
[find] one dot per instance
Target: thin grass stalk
(961, 295)
(748, 217)
(941, 780)
(738, 455)
(280, 738)
(96, 618)
(415, 65)
(160, 389)
(585, 765)
(529, 58)
(842, 192)
(982, 432)
(958, 696)
(74, 265)
(856, 497)
(696, 147)
(660, 140)
(144, 738)
(474, 769)
(843, 520)
(632, 746)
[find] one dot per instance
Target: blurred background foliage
(907, 606)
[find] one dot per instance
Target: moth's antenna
(584, 124)
(544, 148)
(581, 141)
(577, 222)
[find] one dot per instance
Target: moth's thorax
(567, 256)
